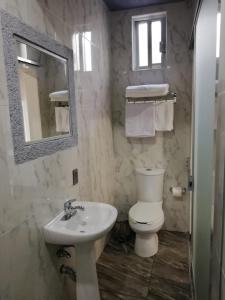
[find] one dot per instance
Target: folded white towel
(147, 90)
(140, 120)
(61, 96)
(62, 119)
(164, 116)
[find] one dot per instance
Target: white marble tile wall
(34, 192)
(168, 150)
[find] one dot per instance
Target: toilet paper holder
(184, 190)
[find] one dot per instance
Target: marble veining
(168, 150)
(34, 192)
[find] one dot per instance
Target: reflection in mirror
(43, 82)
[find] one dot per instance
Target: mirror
(41, 91)
(44, 92)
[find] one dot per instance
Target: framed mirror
(40, 80)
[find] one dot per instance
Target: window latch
(162, 47)
(190, 183)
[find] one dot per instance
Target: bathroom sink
(86, 225)
(91, 221)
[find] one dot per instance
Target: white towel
(61, 96)
(62, 119)
(140, 119)
(164, 116)
(147, 90)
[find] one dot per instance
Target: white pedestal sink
(82, 230)
(87, 281)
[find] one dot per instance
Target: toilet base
(146, 245)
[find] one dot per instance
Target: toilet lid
(145, 212)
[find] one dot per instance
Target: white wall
(34, 192)
(169, 150)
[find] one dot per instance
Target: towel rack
(170, 97)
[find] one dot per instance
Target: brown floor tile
(105, 295)
(164, 289)
(123, 271)
(172, 260)
(175, 241)
(125, 276)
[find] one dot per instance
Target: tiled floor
(125, 276)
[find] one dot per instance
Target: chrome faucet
(70, 210)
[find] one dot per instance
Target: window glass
(87, 57)
(218, 35)
(149, 41)
(143, 44)
(156, 30)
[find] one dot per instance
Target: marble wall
(168, 150)
(34, 192)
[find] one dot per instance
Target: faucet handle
(79, 207)
(68, 203)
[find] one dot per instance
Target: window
(86, 46)
(149, 41)
(82, 51)
(218, 35)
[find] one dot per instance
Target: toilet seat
(148, 213)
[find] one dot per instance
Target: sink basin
(89, 225)
(82, 230)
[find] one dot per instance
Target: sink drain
(82, 231)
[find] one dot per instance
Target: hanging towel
(164, 116)
(147, 90)
(140, 119)
(62, 119)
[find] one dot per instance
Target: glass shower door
(203, 150)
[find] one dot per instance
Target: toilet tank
(149, 184)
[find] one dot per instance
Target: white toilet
(146, 217)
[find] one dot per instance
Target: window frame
(149, 18)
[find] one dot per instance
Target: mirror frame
(26, 151)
